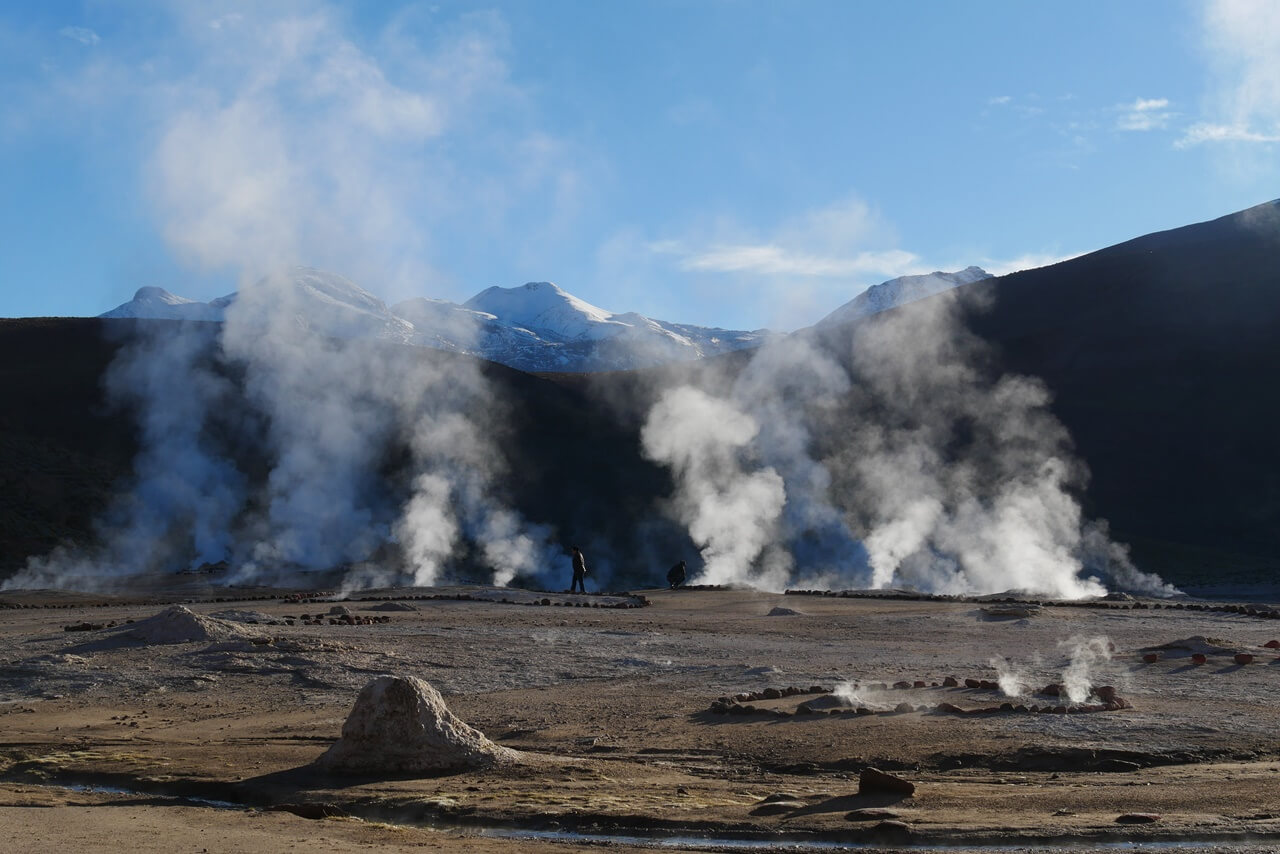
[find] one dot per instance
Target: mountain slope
(157, 303)
(1162, 354)
(535, 327)
(901, 291)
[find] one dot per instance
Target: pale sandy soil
(610, 707)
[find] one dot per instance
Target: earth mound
(400, 724)
(178, 624)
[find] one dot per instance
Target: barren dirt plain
(113, 742)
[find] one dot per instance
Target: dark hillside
(64, 451)
(1163, 355)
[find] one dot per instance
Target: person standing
(579, 571)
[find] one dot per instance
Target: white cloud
(1145, 114)
(1026, 261)
(1243, 40)
(773, 260)
(840, 240)
(790, 274)
(1207, 132)
(84, 35)
(999, 100)
(228, 20)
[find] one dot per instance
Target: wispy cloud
(1243, 40)
(841, 240)
(1206, 132)
(999, 100)
(774, 260)
(1026, 261)
(1145, 114)
(84, 35)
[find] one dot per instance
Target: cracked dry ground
(187, 746)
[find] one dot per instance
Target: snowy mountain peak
(900, 291)
(151, 301)
(544, 306)
(537, 326)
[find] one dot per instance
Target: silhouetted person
(676, 575)
(579, 571)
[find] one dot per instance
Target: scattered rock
(1243, 658)
(1137, 818)
(872, 814)
(777, 807)
(393, 606)
(1010, 612)
(873, 780)
(312, 811)
(1151, 657)
(339, 611)
(783, 612)
(1271, 644)
(400, 724)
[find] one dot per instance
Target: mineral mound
(400, 724)
(177, 624)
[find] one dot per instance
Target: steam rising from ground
(293, 142)
(905, 461)
(1085, 655)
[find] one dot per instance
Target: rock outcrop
(400, 725)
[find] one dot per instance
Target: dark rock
(901, 684)
(892, 829)
(871, 814)
(315, 812)
(1137, 818)
(904, 707)
(771, 694)
(950, 682)
(1243, 658)
(972, 683)
(873, 780)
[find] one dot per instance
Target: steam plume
(906, 459)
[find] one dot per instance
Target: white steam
(1012, 679)
(1085, 655)
(904, 461)
(732, 510)
(291, 141)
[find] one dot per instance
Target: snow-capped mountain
(159, 303)
(900, 291)
(534, 327)
(321, 302)
(541, 327)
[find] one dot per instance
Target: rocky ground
(122, 735)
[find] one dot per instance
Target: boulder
(873, 780)
(400, 725)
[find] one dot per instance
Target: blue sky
(741, 164)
